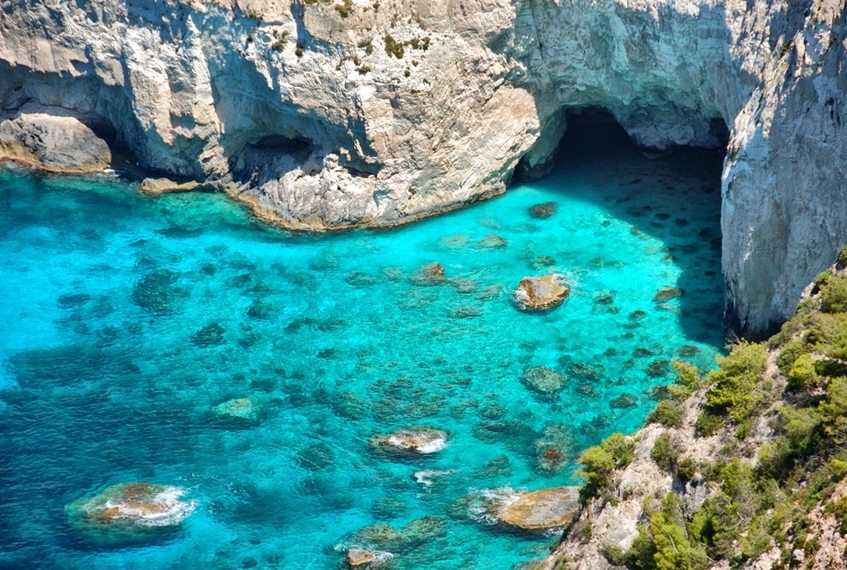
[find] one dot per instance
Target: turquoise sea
(127, 319)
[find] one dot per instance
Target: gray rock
(49, 138)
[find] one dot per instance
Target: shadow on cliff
(675, 199)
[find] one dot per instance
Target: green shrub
(667, 413)
(736, 380)
(802, 375)
(686, 469)
(615, 555)
(663, 452)
(707, 424)
(789, 354)
(600, 460)
(801, 427)
(393, 47)
(834, 295)
(664, 543)
(833, 411)
(775, 457)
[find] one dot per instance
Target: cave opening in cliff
(671, 197)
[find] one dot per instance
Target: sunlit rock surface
(129, 512)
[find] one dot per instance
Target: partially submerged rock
(129, 512)
(415, 441)
(538, 510)
(361, 558)
(541, 293)
(543, 380)
(159, 186)
(431, 274)
(238, 409)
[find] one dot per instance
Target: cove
(129, 320)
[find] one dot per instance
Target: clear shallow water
(104, 379)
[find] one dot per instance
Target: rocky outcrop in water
(129, 512)
(537, 294)
(327, 115)
(538, 510)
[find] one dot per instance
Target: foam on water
(129, 320)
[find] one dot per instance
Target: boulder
(359, 557)
(538, 510)
(54, 142)
(536, 294)
(415, 441)
(129, 512)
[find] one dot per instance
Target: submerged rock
(238, 409)
(415, 441)
(624, 401)
(556, 446)
(431, 274)
(492, 241)
(543, 380)
(542, 261)
(424, 530)
(156, 292)
(658, 368)
(129, 513)
(541, 293)
(667, 293)
(544, 210)
(209, 335)
(359, 279)
(464, 286)
(380, 535)
(316, 457)
(537, 510)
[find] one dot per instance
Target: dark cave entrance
(595, 141)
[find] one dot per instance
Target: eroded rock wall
(340, 113)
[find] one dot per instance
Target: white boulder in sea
(536, 510)
(537, 294)
(413, 441)
(129, 512)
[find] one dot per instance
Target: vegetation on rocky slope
(779, 413)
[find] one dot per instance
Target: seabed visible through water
(129, 323)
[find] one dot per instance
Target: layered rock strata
(328, 115)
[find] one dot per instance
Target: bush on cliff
(736, 389)
(599, 461)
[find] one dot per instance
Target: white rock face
(334, 115)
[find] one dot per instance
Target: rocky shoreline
(767, 459)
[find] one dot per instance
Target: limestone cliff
(326, 114)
